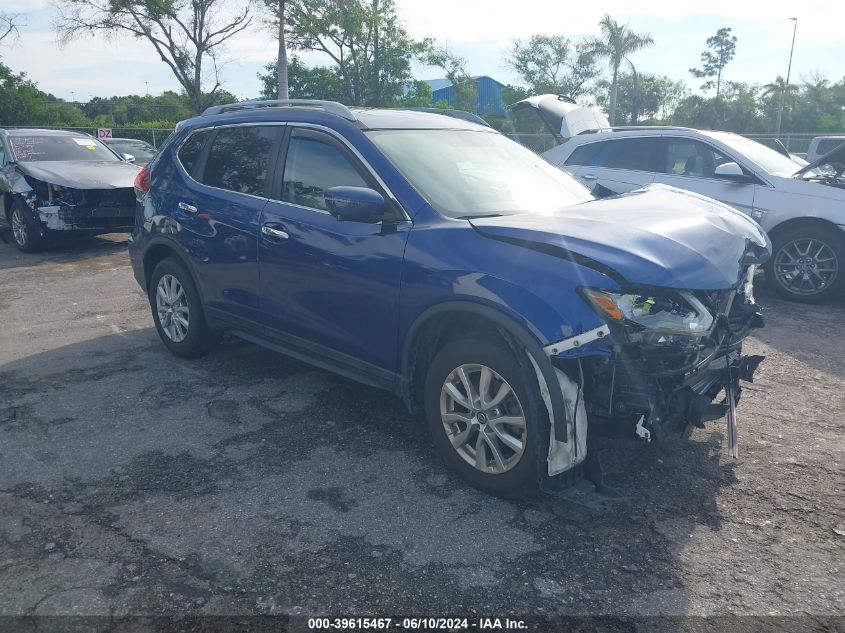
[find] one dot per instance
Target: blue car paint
(361, 289)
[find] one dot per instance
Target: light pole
(788, 72)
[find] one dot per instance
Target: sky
(481, 31)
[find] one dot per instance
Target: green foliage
(368, 47)
(722, 48)
(552, 64)
(304, 82)
(642, 97)
(465, 95)
(616, 44)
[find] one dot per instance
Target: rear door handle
(187, 208)
(274, 233)
(590, 177)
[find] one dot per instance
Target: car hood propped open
(82, 174)
(657, 236)
(836, 155)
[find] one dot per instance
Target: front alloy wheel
(19, 228)
(483, 418)
(172, 307)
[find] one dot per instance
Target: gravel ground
(133, 482)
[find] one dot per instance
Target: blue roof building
(488, 94)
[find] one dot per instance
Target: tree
(551, 64)
(722, 50)
(184, 33)
(369, 47)
(319, 82)
(642, 96)
(464, 92)
(9, 24)
(276, 10)
(616, 44)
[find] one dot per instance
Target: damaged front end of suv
(658, 349)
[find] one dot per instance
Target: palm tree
(616, 43)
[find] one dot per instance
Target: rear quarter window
(191, 149)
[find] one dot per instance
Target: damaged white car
(54, 182)
(801, 208)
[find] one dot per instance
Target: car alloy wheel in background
(483, 418)
(19, 228)
(806, 266)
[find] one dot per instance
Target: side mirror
(129, 158)
(355, 204)
(730, 171)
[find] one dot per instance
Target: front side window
(59, 148)
(239, 158)
(311, 167)
(828, 145)
(687, 157)
(625, 153)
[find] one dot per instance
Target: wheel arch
(793, 223)
(160, 249)
(454, 318)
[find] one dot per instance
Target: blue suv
(433, 257)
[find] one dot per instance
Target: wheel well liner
(159, 250)
(458, 318)
(805, 221)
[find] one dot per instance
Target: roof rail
(622, 128)
(332, 107)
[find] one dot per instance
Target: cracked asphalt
(136, 483)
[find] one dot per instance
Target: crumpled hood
(83, 174)
(657, 236)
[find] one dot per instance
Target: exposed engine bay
(667, 361)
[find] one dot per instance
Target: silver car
(802, 209)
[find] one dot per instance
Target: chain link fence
(155, 136)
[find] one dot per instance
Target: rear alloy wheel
(806, 265)
(481, 405)
(177, 311)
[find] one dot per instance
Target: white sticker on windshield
(86, 142)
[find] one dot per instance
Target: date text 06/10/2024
(416, 624)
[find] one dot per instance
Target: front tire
(807, 264)
(482, 409)
(177, 311)
(26, 229)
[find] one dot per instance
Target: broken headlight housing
(662, 313)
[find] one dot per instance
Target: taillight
(142, 182)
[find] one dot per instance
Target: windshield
(49, 148)
(764, 157)
(139, 149)
(464, 173)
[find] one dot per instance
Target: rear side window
(239, 158)
(311, 167)
(191, 149)
(626, 153)
(828, 144)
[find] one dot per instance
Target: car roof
(41, 132)
(305, 110)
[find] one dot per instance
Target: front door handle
(274, 233)
(590, 177)
(187, 208)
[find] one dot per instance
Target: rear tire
(26, 229)
(496, 457)
(807, 264)
(177, 311)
